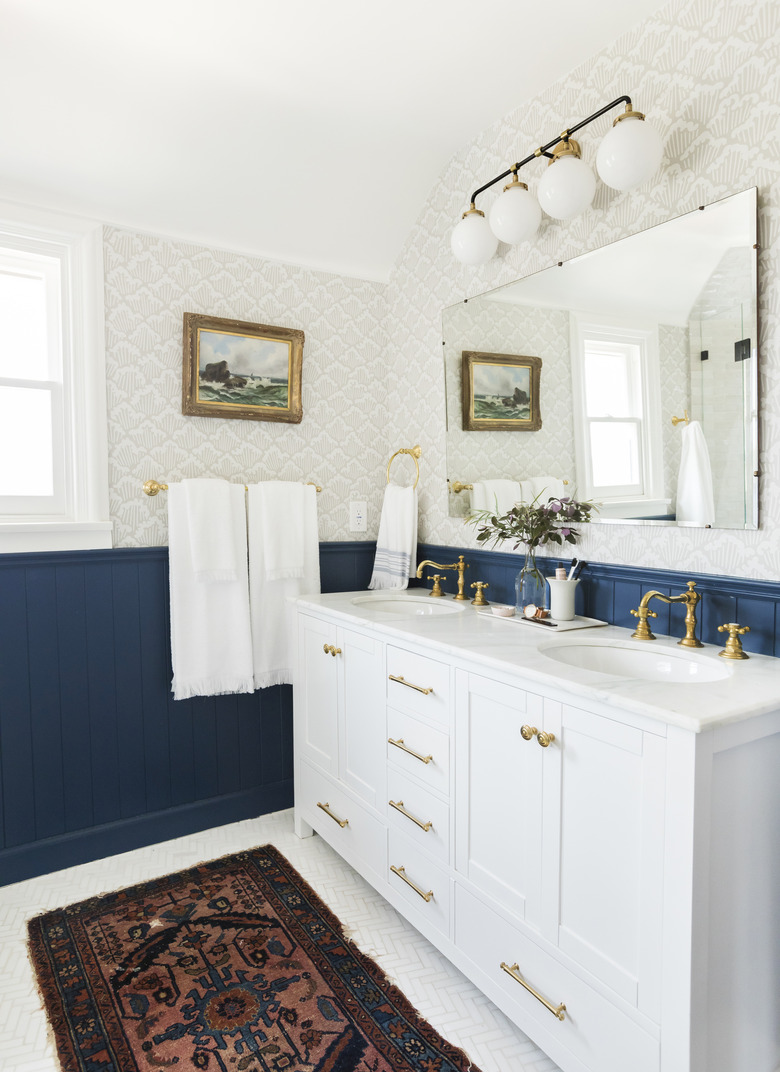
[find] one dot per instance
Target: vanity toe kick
(560, 1011)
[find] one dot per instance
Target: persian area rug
(232, 966)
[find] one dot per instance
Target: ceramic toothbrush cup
(562, 599)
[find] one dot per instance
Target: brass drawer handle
(399, 806)
(405, 748)
(401, 872)
(513, 970)
(544, 739)
(409, 685)
(330, 650)
(326, 808)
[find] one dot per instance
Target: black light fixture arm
(544, 149)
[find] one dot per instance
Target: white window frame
(650, 500)
(83, 522)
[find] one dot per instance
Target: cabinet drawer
(430, 900)
(601, 1036)
(425, 688)
(361, 841)
(407, 732)
(424, 820)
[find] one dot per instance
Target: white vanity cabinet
(607, 876)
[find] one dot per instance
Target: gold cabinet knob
(528, 732)
(329, 649)
(733, 649)
(545, 739)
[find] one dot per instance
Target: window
(617, 419)
(53, 483)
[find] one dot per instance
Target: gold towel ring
(414, 453)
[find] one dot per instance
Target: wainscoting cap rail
(154, 487)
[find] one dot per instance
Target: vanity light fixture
(629, 154)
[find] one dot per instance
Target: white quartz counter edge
(752, 687)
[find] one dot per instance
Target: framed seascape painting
(243, 371)
(500, 392)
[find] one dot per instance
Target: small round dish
(502, 610)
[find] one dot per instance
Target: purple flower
(565, 532)
(554, 506)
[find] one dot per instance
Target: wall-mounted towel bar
(154, 487)
(457, 487)
(414, 453)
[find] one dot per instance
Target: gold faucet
(689, 598)
(460, 566)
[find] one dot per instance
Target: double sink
(631, 659)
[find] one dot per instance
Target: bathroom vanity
(598, 850)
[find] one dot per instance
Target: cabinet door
(362, 738)
(603, 824)
(317, 692)
(498, 792)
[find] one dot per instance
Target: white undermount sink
(645, 663)
(408, 604)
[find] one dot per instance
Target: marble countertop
(750, 687)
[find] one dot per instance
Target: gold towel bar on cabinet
(154, 487)
(399, 806)
(326, 808)
(409, 685)
(513, 969)
(401, 872)
(414, 453)
(405, 748)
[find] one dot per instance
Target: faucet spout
(460, 566)
(689, 598)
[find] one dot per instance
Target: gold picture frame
(500, 392)
(240, 370)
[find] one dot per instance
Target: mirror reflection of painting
(243, 371)
(500, 393)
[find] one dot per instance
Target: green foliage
(533, 524)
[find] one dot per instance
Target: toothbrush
(576, 572)
(571, 569)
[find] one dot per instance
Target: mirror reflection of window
(618, 442)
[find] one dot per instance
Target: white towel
(695, 498)
(211, 647)
(271, 598)
(396, 545)
(498, 496)
(279, 510)
(543, 488)
(210, 527)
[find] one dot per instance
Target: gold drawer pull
(399, 806)
(529, 732)
(401, 872)
(330, 650)
(409, 685)
(404, 748)
(556, 1010)
(326, 808)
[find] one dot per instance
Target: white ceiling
(309, 131)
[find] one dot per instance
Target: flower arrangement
(533, 525)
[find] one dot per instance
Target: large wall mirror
(648, 392)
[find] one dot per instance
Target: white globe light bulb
(472, 240)
(630, 153)
(568, 186)
(515, 215)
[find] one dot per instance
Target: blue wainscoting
(609, 592)
(95, 755)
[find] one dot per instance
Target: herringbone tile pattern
(440, 992)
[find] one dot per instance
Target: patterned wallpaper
(707, 73)
(150, 283)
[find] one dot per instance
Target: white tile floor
(440, 992)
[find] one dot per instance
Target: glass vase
(530, 585)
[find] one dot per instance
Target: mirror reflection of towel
(498, 496)
(695, 498)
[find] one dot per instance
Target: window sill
(22, 536)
